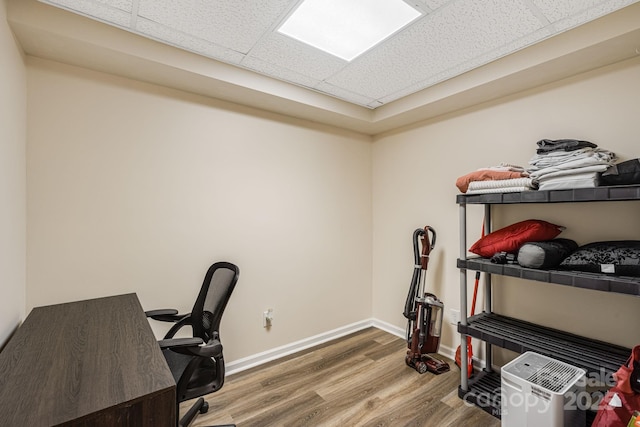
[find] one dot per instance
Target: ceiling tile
(556, 10)
(436, 4)
(294, 55)
(116, 12)
(125, 5)
(468, 65)
(456, 34)
(186, 41)
(237, 25)
(276, 71)
(566, 14)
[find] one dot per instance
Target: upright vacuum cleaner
(423, 311)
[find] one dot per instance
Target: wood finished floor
(358, 380)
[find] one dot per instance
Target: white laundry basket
(540, 391)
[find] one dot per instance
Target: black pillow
(547, 254)
(619, 257)
(625, 173)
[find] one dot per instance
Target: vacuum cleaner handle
(427, 246)
(421, 260)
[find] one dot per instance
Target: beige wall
(137, 188)
(414, 185)
(13, 126)
(133, 187)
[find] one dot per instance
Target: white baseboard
(258, 359)
(388, 327)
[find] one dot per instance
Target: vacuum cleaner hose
(409, 312)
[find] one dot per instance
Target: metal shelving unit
(576, 279)
(493, 329)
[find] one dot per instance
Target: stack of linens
(504, 178)
(568, 163)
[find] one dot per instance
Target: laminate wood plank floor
(357, 380)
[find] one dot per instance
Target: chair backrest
(216, 290)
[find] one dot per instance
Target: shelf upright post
(464, 377)
(488, 307)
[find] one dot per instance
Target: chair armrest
(180, 342)
(185, 320)
(212, 349)
(193, 346)
(164, 315)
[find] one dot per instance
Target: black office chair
(197, 363)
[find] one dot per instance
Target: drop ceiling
(446, 59)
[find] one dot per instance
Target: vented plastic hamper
(538, 391)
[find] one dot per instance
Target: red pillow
(510, 238)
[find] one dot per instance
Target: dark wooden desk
(86, 363)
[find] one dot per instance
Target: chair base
(201, 406)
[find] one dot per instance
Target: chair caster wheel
(204, 408)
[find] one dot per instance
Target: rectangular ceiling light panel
(347, 28)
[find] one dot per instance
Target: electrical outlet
(454, 316)
(267, 318)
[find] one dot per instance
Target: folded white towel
(500, 190)
(561, 173)
(502, 183)
(587, 180)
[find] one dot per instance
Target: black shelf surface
(484, 392)
(596, 194)
(599, 282)
(520, 336)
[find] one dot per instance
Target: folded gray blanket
(546, 145)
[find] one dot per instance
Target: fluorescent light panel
(347, 28)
